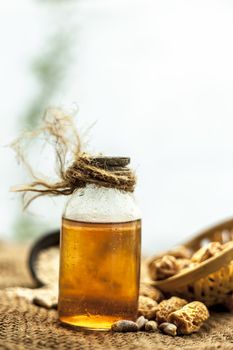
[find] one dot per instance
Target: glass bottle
(99, 258)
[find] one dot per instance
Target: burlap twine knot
(75, 168)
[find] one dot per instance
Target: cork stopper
(108, 162)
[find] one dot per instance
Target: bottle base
(87, 323)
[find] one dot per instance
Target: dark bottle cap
(103, 161)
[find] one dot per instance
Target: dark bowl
(50, 239)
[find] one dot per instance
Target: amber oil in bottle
(99, 273)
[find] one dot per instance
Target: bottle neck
(101, 204)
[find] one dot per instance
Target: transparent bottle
(100, 258)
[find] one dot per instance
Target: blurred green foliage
(27, 227)
(49, 70)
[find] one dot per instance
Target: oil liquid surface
(99, 273)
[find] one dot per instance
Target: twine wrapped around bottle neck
(84, 169)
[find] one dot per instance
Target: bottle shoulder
(99, 204)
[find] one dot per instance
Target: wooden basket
(212, 280)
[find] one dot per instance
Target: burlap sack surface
(26, 326)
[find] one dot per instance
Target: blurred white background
(157, 76)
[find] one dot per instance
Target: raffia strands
(75, 168)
